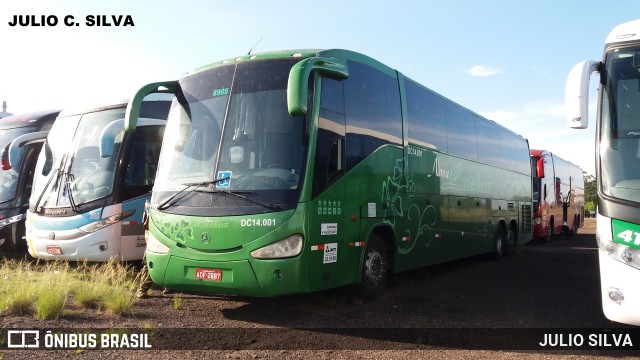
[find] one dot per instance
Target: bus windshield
(231, 123)
(72, 158)
(9, 178)
(620, 130)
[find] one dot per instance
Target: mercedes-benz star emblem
(205, 238)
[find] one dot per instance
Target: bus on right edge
(617, 165)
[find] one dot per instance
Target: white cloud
(481, 70)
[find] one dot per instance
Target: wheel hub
(374, 267)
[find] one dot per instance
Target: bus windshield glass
(231, 124)
(72, 158)
(9, 178)
(620, 129)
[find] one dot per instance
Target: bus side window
(425, 110)
(373, 112)
(142, 162)
(329, 160)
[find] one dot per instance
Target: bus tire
(375, 270)
(498, 243)
(18, 233)
(13, 238)
(547, 238)
(510, 240)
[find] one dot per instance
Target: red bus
(558, 196)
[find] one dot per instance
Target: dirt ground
(473, 308)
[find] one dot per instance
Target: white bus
(91, 182)
(617, 165)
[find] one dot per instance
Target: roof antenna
(254, 46)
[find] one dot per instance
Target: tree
(590, 192)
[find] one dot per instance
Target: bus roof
(80, 110)
(539, 152)
(266, 55)
(157, 108)
(340, 53)
(629, 31)
(29, 119)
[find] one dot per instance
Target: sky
(504, 59)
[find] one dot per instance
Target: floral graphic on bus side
(393, 189)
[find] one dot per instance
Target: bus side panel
(455, 206)
(132, 244)
(343, 215)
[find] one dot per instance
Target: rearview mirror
(14, 149)
(577, 94)
(540, 168)
(297, 86)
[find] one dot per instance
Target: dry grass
(46, 289)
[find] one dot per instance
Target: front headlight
(154, 245)
(95, 226)
(621, 252)
(288, 247)
(10, 220)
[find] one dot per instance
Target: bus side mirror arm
(133, 107)
(577, 94)
(297, 86)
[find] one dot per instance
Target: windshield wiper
(68, 179)
(167, 202)
(238, 194)
(56, 173)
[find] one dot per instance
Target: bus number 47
(629, 236)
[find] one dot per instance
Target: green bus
(298, 171)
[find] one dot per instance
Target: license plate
(208, 274)
(54, 250)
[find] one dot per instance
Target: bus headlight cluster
(287, 247)
(154, 245)
(622, 253)
(95, 226)
(10, 220)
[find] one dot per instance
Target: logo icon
(206, 239)
(23, 339)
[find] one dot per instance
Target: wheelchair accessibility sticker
(226, 175)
